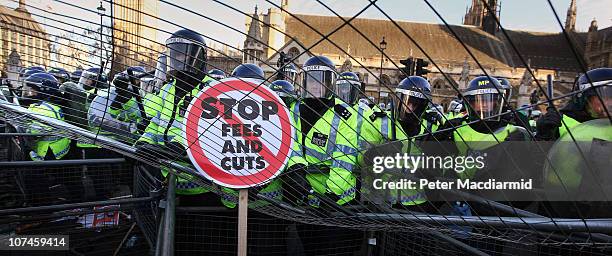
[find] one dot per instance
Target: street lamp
(101, 11)
(383, 46)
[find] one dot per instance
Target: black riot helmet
(596, 92)
(40, 86)
(26, 72)
(285, 91)
(186, 57)
(60, 74)
(248, 70)
(216, 74)
(289, 71)
(412, 97)
(92, 78)
(318, 77)
(484, 98)
(75, 76)
(348, 87)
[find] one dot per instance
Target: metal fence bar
(50, 163)
(567, 225)
(60, 207)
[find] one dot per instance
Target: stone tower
(570, 20)
(274, 31)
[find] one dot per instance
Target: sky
(533, 15)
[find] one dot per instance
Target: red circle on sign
(202, 162)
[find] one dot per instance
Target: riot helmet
(318, 77)
(412, 97)
(484, 98)
(40, 86)
(285, 90)
(596, 92)
(75, 76)
(60, 74)
(186, 57)
(248, 70)
(216, 74)
(289, 72)
(92, 78)
(348, 87)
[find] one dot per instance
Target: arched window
(439, 84)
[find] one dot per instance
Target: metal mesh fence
(143, 120)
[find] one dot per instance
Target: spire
(254, 28)
(570, 20)
(593, 26)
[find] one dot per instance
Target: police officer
(42, 90)
(162, 138)
(248, 70)
(93, 82)
(592, 102)
(329, 141)
(322, 169)
(116, 113)
(216, 74)
(410, 103)
(485, 128)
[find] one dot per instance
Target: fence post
(164, 246)
(243, 206)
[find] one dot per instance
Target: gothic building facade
(450, 57)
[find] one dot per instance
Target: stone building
(21, 34)
(135, 33)
(356, 47)
(598, 49)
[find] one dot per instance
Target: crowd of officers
(334, 121)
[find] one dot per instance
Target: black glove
(547, 126)
(142, 125)
(150, 151)
(295, 185)
(122, 85)
(176, 148)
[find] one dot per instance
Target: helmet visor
(486, 106)
(147, 85)
(347, 91)
(600, 102)
(88, 80)
(318, 83)
(290, 74)
(409, 104)
(186, 57)
(160, 73)
(28, 90)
